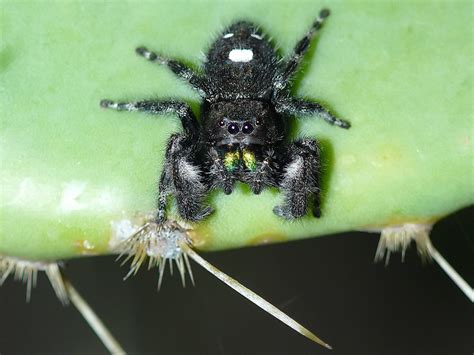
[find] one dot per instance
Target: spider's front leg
(300, 180)
(182, 176)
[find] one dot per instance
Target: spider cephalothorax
(242, 133)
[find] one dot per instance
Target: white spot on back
(227, 35)
(257, 36)
(241, 55)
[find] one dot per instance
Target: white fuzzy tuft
(188, 171)
(398, 238)
(294, 168)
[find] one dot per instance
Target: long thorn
(56, 280)
(188, 265)
(253, 297)
(452, 274)
(161, 268)
(93, 320)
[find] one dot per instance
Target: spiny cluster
(27, 272)
(160, 243)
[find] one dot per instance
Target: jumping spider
(242, 133)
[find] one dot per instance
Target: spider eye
(233, 128)
(247, 128)
(221, 123)
(258, 121)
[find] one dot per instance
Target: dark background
(329, 284)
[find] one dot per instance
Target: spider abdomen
(241, 63)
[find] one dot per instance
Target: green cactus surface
(71, 172)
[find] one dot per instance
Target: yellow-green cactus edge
(400, 72)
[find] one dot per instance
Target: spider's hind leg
(180, 69)
(300, 107)
(300, 180)
(182, 177)
(291, 64)
(181, 109)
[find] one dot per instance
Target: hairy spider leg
(165, 188)
(291, 64)
(180, 174)
(180, 69)
(300, 180)
(181, 109)
(299, 107)
(294, 106)
(183, 177)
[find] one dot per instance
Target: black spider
(242, 134)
